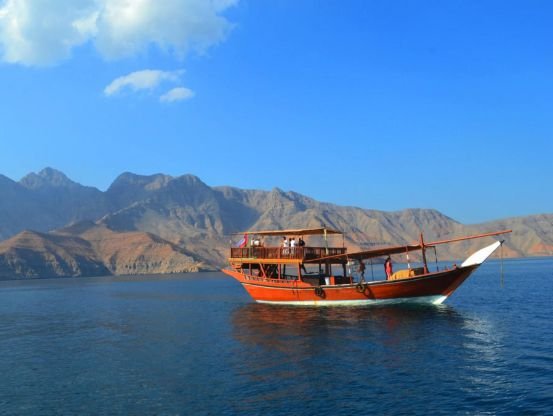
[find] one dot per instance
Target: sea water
(196, 344)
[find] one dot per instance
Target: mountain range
(53, 226)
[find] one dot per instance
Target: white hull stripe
(434, 300)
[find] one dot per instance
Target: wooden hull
(431, 288)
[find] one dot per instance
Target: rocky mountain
(46, 201)
(159, 223)
(88, 249)
(34, 254)
(132, 252)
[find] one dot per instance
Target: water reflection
(484, 366)
(278, 326)
(373, 349)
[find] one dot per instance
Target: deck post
(372, 271)
(423, 255)
(326, 242)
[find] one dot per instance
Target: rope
(436, 257)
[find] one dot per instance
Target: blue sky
(377, 104)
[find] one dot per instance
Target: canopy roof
(367, 254)
(386, 251)
(299, 231)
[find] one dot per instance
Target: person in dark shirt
(361, 269)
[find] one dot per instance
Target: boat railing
(300, 253)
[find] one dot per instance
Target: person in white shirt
(285, 246)
(292, 246)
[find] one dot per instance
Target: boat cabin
(291, 255)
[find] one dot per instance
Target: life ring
(360, 287)
(320, 292)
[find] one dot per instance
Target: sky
(377, 104)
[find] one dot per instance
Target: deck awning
(367, 254)
(386, 251)
(299, 231)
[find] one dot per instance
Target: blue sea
(196, 344)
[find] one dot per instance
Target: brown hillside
(132, 252)
(32, 254)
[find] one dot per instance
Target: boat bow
(476, 259)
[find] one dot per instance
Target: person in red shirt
(388, 267)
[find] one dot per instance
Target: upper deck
(284, 253)
(253, 246)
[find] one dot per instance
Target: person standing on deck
(301, 245)
(293, 246)
(388, 267)
(284, 246)
(361, 269)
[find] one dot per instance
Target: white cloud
(42, 32)
(125, 28)
(45, 32)
(147, 79)
(177, 94)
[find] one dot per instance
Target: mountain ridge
(194, 221)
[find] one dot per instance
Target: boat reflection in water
(377, 351)
(277, 326)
